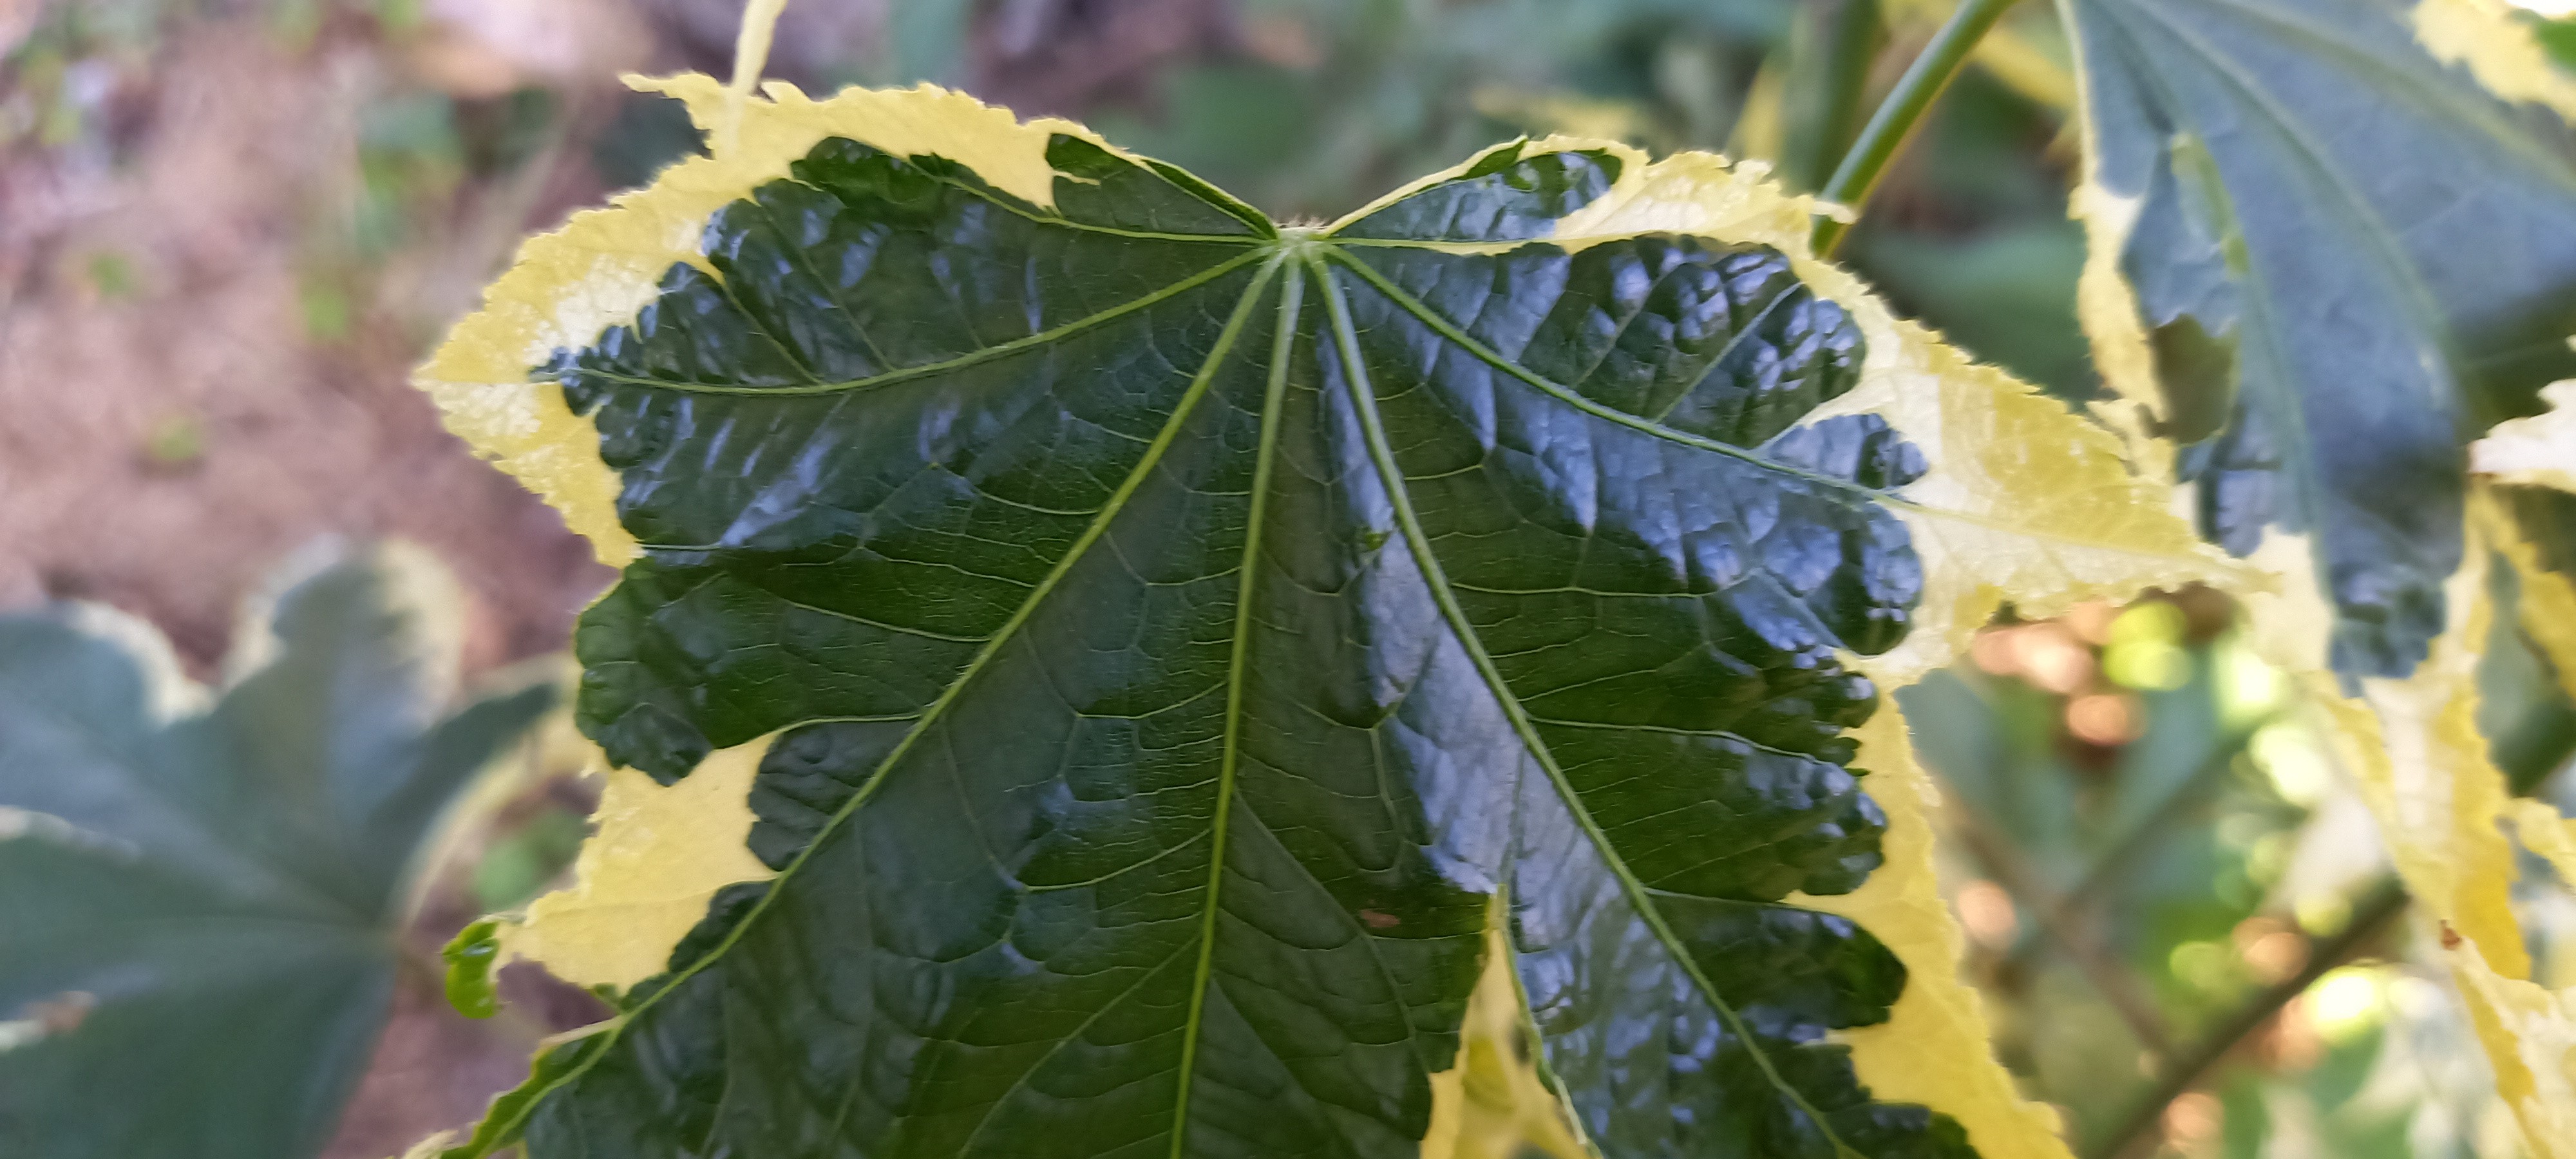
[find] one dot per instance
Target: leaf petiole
(1902, 111)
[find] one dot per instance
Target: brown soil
(236, 145)
(295, 439)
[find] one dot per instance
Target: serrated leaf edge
(2041, 473)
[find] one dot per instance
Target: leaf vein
(1285, 328)
(929, 716)
(1433, 577)
(983, 354)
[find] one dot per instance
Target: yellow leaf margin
(2497, 45)
(657, 855)
(2547, 602)
(2414, 748)
(603, 266)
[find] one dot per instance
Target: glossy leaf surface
(1183, 629)
(2327, 261)
(1149, 649)
(198, 900)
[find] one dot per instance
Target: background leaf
(201, 893)
(2529, 465)
(2321, 261)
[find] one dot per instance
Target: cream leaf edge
(2547, 611)
(2495, 43)
(604, 265)
(2025, 501)
(565, 287)
(2413, 748)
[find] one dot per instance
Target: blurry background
(229, 227)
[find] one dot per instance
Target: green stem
(1830, 51)
(1899, 115)
(2137, 1132)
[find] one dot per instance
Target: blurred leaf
(2248, 1122)
(471, 957)
(111, 275)
(2317, 1107)
(2006, 294)
(648, 132)
(325, 304)
(2338, 1076)
(2559, 37)
(201, 892)
(2346, 255)
(1390, 89)
(1998, 752)
(176, 441)
(2457, 864)
(409, 157)
(926, 39)
(2523, 700)
(498, 134)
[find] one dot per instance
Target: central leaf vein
(982, 354)
(1291, 297)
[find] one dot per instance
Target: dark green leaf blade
(2349, 261)
(960, 440)
(1169, 670)
(1648, 637)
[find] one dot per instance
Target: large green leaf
(1183, 627)
(2346, 259)
(1148, 646)
(198, 902)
